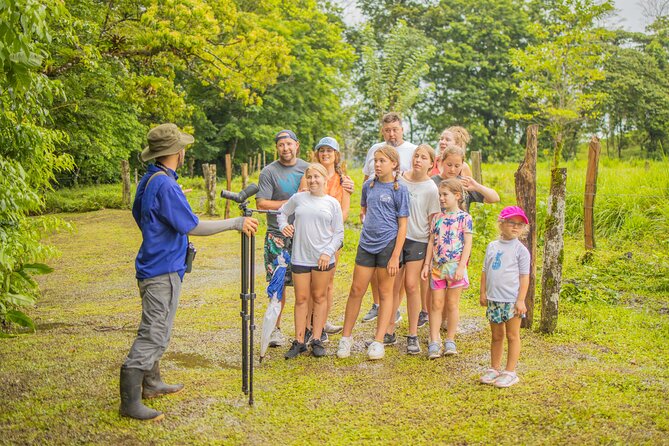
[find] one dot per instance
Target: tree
(556, 78)
(129, 62)
(471, 77)
(306, 97)
(28, 154)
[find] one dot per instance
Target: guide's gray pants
(160, 298)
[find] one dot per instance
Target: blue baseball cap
(327, 142)
(286, 134)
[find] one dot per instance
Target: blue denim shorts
(500, 312)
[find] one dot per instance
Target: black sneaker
(389, 339)
(307, 336)
(324, 337)
(422, 319)
(295, 349)
(413, 346)
(317, 348)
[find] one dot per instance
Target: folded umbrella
(275, 294)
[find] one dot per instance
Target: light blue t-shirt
(505, 261)
(384, 206)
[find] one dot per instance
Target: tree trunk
(551, 280)
(211, 190)
(228, 177)
(191, 167)
(125, 173)
(476, 166)
(245, 175)
(590, 191)
(526, 198)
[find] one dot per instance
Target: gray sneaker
(372, 314)
(413, 346)
(450, 348)
(333, 329)
(434, 350)
(276, 339)
(389, 339)
(398, 317)
(422, 319)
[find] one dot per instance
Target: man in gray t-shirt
(278, 182)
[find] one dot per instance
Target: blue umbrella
(275, 294)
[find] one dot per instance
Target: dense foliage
(83, 80)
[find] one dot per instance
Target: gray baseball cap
(328, 142)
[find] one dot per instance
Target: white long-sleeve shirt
(319, 227)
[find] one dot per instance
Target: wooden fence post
(245, 175)
(212, 190)
(125, 173)
(136, 177)
(191, 167)
(228, 177)
(590, 191)
(551, 280)
(476, 166)
(526, 198)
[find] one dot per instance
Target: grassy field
(602, 377)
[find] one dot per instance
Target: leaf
(20, 318)
(37, 268)
(20, 300)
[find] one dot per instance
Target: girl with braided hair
(385, 204)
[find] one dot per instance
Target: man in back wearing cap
(166, 220)
(393, 134)
(279, 181)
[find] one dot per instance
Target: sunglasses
(515, 224)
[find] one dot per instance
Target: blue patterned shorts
(500, 312)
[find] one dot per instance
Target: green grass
(602, 377)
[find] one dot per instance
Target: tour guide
(166, 220)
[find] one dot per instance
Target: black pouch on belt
(190, 256)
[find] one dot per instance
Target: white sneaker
(345, 344)
(276, 339)
(375, 350)
(332, 329)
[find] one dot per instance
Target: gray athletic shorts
(379, 260)
(413, 251)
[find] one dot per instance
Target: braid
(371, 185)
(339, 172)
(396, 184)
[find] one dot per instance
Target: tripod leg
(252, 296)
(244, 312)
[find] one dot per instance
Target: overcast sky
(628, 14)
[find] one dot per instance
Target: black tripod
(248, 296)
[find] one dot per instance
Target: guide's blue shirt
(165, 219)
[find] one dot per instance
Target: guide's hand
(288, 231)
(250, 226)
(483, 300)
(323, 262)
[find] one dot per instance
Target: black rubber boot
(131, 403)
(154, 387)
